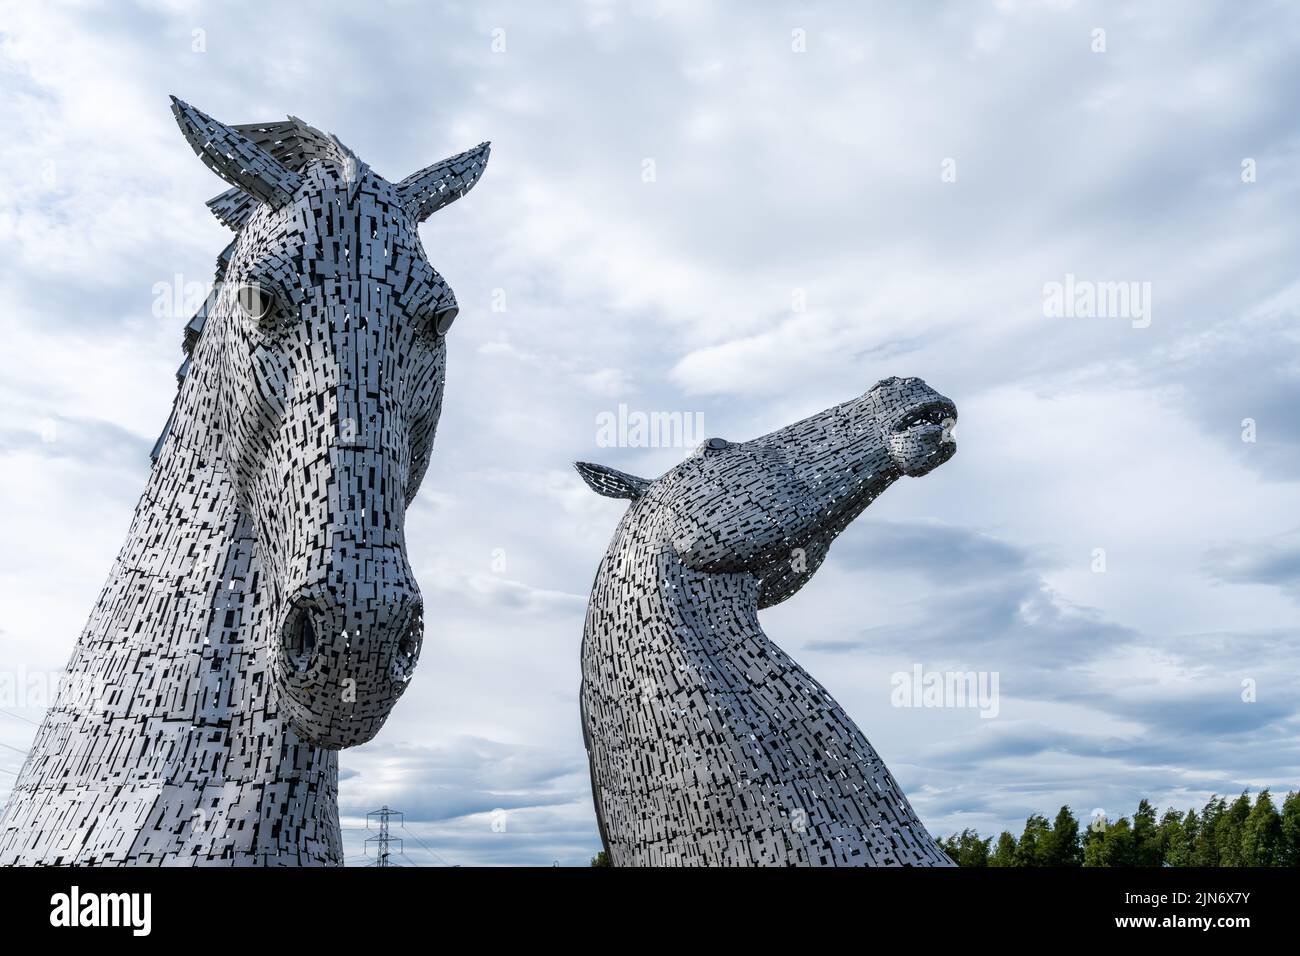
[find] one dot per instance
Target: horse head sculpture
(261, 613)
(707, 743)
(326, 343)
(746, 507)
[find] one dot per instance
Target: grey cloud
(835, 647)
(939, 552)
(972, 594)
(1274, 562)
(462, 776)
(89, 441)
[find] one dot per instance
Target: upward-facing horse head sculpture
(708, 744)
(262, 613)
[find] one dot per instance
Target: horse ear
(235, 158)
(424, 193)
(610, 482)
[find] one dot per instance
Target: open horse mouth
(938, 411)
(920, 436)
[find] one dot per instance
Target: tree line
(1222, 834)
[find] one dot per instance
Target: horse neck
(705, 739)
(178, 752)
(641, 570)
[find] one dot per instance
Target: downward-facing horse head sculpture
(262, 612)
(708, 745)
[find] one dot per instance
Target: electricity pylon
(383, 839)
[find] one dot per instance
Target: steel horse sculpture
(708, 745)
(262, 613)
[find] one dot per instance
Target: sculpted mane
(296, 145)
(292, 143)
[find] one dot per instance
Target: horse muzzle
(344, 657)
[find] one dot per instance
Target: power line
(19, 717)
(438, 856)
(14, 749)
(383, 840)
(355, 811)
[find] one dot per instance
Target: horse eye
(715, 444)
(257, 302)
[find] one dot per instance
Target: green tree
(967, 849)
(1228, 831)
(1093, 836)
(1289, 837)
(949, 846)
(601, 859)
(1261, 834)
(1206, 850)
(1005, 854)
(1030, 847)
(1191, 830)
(1222, 834)
(1148, 849)
(1112, 847)
(1177, 837)
(1060, 847)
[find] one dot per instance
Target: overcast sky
(751, 214)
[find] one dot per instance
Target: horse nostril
(300, 641)
(408, 646)
(443, 318)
